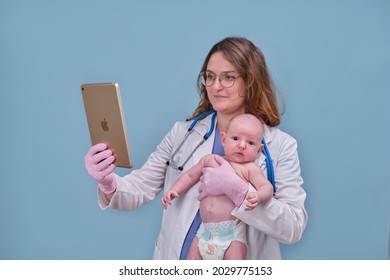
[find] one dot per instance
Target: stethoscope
(268, 160)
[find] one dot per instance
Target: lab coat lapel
(268, 138)
(267, 134)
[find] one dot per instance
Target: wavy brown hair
(261, 97)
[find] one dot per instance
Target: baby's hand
(253, 200)
(168, 197)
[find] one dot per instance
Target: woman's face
(225, 100)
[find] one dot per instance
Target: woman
(234, 80)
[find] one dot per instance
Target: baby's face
(242, 141)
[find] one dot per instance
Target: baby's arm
(168, 197)
(185, 181)
(264, 190)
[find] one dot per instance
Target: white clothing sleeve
(284, 217)
(142, 185)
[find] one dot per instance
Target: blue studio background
(330, 60)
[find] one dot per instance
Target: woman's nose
(217, 84)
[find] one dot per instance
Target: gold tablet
(106, 123)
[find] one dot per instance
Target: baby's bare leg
(236, 251)
(194, 253)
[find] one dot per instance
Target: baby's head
(242, 140)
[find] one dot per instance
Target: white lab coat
(283, 219)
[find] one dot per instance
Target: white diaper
(215, 238)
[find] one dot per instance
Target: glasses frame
(203, 80)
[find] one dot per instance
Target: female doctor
(234, 79)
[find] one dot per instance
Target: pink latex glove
(223, 180)
(99, 164)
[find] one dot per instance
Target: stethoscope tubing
(189, 130)
(270, 167)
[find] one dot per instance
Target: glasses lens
(207, 78)
(227, 80)
(202, 78)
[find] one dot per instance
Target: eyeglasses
(226, 79)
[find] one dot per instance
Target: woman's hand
(99, 164)
(223, 180)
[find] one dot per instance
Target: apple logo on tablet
(104, 124)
